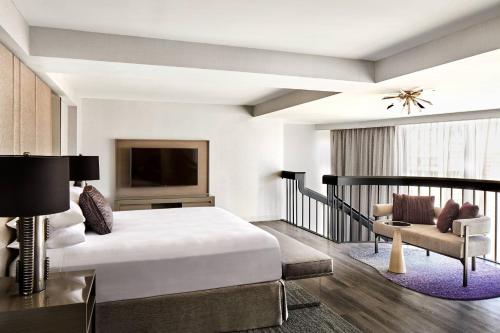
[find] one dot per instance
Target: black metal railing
(344, 214)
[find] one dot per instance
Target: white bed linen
(167, 251)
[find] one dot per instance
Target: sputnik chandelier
(409, 98)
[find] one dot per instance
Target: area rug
(436, 275)
(319, 319)
(298, 298)
(306, 315)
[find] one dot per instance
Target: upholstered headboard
(7, 235)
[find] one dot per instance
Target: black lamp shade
(83, 168)
(33, 185)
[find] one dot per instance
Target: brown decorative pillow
(419, 209)
(468, 211)
(97, 211)
(398, 207)
(448, 215)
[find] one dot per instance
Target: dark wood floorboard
(363, 297)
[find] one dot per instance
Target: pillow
(419, 209)
(65, 237)
(72, 216)
(398, 207)
(448, 214)
(74, 193)
(468, 211)
(97, 211)
(62, 237)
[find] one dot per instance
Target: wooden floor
(373, 304)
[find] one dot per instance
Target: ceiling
(356, 29)
(471, 84)
(352, 30)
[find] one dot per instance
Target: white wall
(308, 150)
(246, 153)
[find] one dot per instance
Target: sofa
(467, 238)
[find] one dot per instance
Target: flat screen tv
(163, 167)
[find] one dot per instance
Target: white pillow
(68, 218)
(65, 237)
(74, 193)
(59, 238)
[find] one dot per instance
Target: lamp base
(33, 265)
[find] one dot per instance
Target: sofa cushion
(298, 260)
(468, 211)
(419, 209)
(430, 238)
(448, 214)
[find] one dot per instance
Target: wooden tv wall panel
(123, 189)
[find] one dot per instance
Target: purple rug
(436, 275)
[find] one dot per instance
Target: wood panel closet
(29, 110)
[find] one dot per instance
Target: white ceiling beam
(289, 100)
(408, 120)
(478, 39)
(58, 43)
(14, 31)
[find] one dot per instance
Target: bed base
(226, 309)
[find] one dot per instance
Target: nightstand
(66, 305)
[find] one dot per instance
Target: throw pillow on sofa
(413, 209)
(468, 211)
(448, 214)
(419, 209)
(398, 207)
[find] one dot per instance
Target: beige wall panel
(17, 107)
(43, 118)
(27, 110)
(6, 101)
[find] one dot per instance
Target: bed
(186, 269)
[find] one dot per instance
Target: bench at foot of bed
(300, 261)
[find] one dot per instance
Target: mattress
(168, 251)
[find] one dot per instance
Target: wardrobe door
(43, 118)
(6, 101)
(27, 118)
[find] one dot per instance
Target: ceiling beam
(59, 43)
(408, 120)
(289, 100)
(14, 31)
(481, 38)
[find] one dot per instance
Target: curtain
(363, 152)
(462, 149)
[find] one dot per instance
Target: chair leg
(466, 254)
(428, 253)
(473, 263)
(376, 243)
(464, 280)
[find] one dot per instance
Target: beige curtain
(363, 151)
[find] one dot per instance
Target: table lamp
(31, 186)
(83, 168)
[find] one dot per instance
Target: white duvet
(167, 251)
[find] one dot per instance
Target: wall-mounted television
(163, 167)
